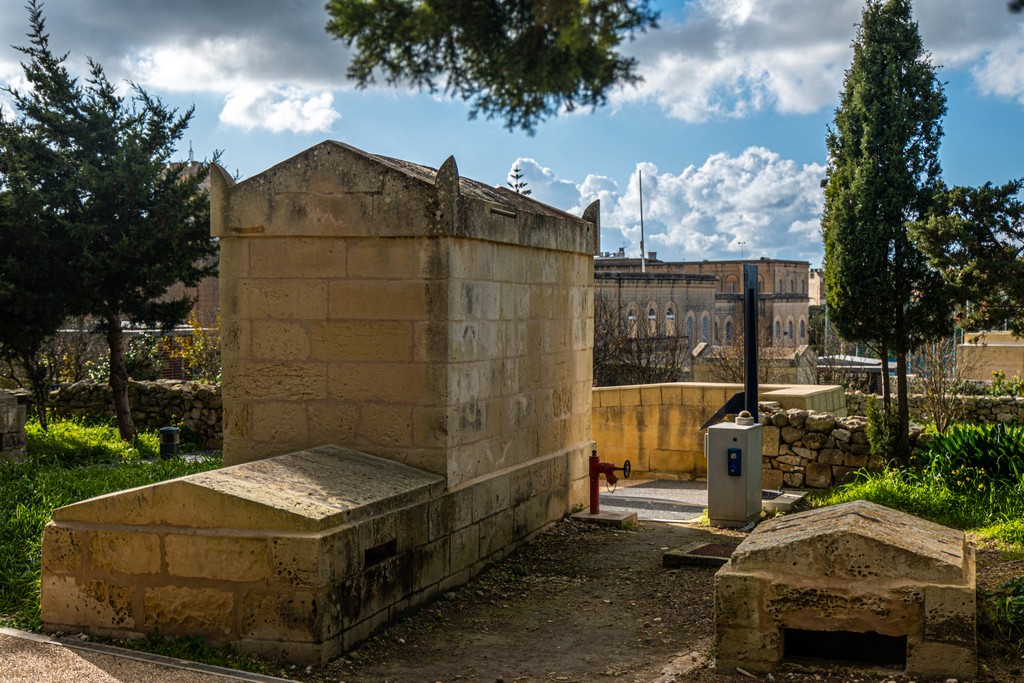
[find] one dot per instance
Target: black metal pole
(750, 346)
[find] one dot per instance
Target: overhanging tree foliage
(976, 240)
(883, 174)
(129, 224)
(521, 60)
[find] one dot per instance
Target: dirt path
(579, 603)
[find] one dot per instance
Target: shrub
(976, 458)
(883, 428)
(1001, 386)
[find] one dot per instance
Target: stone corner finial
(446, 185)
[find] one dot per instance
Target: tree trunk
(119, 379)
(883, 351)
(903, 408)
(38, 377)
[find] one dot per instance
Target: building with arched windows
(783, 301)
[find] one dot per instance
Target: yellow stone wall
(657, 426)
(403, 312)
(991, 352)
(300, 571)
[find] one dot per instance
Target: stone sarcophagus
(854, 582)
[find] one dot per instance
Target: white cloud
(279, 109)
(732, 58)
(1002, 72)
(544, 184)
(227, 67)
(771, 205)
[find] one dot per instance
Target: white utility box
(733, 451)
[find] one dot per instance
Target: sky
(727, 128)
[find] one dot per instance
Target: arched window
(792, 286)
(704, 328)
(803, 330)
(778, 329)
(652, 321)
(789, 330)
(716, 338)
(728, 331)
(689, 330)
(670, 322)
(631, 323)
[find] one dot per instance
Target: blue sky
(728, 127)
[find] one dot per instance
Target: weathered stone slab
(305, 491)
(856, 540)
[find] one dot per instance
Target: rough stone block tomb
(854, 582)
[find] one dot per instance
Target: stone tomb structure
(853, 582)
(407, 396)
(12, 427)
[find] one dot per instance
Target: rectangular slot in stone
(379, 553)
(846, 647)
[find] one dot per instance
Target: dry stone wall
(189, 405)
(807, 449)
(976, 409)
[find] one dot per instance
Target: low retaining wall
(12, 427)
(979, 409)
(189, 405)
(657, 426)
(807, 449)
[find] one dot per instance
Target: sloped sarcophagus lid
(857, 569)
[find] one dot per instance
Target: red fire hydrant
(597, 468)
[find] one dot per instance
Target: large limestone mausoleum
(407, 395)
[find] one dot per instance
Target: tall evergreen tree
(131, 224)
(517, 183)
(883, 174)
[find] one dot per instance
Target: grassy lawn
(71, 462)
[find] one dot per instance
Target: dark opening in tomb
(845, 646)
(379, 553)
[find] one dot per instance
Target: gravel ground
(24, 660)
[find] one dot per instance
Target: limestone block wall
(12, 427)
(403, 312)
(657, 426)
(299, 557)
(189, 405)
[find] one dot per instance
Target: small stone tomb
(856, 582)
(297, 556)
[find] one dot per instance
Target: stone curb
(144, 657)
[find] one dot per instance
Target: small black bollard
(169, 442)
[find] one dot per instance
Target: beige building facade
(782, 303)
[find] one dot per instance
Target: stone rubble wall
(976, 409)
(12, 427)
(188, 405)
(807, 449)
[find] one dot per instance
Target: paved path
(658, 501)
(32, 658)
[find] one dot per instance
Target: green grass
(71, 462)
(197, 650)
